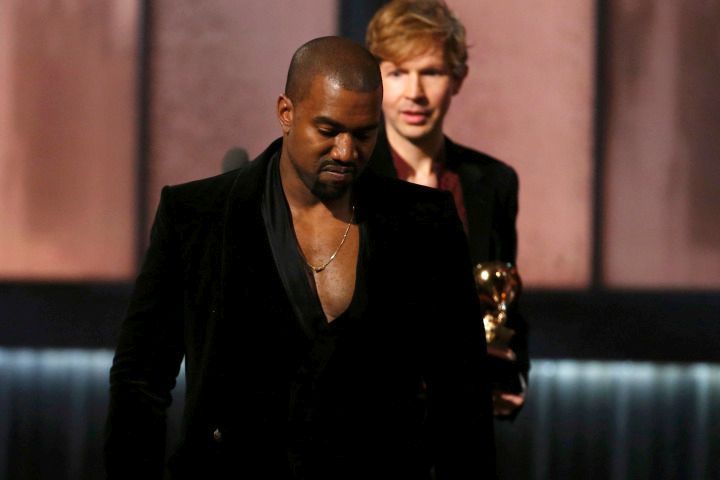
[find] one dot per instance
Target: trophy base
(504, 375)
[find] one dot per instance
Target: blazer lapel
(478, 198)
(248, 273)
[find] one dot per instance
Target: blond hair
(403, 29)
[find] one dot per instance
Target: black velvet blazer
(209, 292)
(490, 194)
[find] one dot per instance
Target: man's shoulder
(461, 156)
(201, 194)
(408, 193)
(407, 201)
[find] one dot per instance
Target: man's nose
(413, 86)
(345, 149)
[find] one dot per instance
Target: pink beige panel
(662, 194)
(67, 139)
(528, 100)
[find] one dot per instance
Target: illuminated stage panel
(583, 419)
(218, 68)
(662, 185)
(529, 100)
(67, 139)
(54, 404)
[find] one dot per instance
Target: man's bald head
(337, 59)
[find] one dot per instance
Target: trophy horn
(498, 284)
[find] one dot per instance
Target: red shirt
(447, 180)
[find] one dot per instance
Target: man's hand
(505, 404)
(502, 353)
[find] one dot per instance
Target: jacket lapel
(478, 198)
(249, 278)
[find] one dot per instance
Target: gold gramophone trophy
(498, 284)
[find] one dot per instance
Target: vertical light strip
(541, 392)
(703, 381)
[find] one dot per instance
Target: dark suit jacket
(209, 291)
(490, 194)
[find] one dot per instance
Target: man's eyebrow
(368, 128)
(323, 120)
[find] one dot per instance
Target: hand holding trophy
(498, 284)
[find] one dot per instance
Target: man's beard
(327, 192)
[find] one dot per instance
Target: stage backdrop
(68, 122)
(614, 141)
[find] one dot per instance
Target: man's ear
(458, 80)
(285, 113)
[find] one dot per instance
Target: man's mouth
(339, 172)
(342, 169)
(415, 117)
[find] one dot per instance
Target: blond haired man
(422, 51)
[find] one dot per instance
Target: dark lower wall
(637, 325)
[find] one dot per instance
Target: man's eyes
(327, 132)
(425, 73)
(360, 135)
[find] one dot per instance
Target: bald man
(306, 321)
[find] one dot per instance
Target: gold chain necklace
(332, 257)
